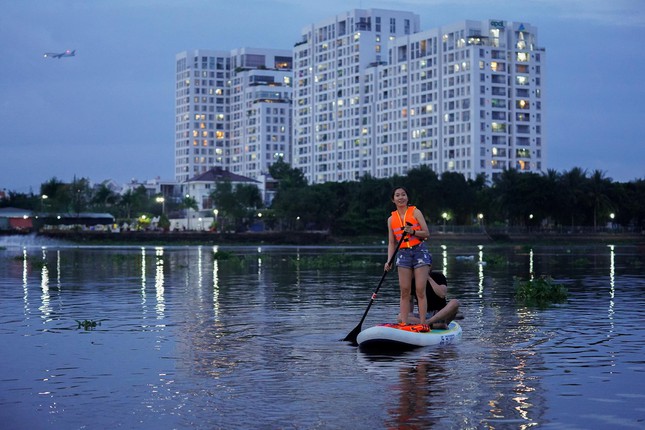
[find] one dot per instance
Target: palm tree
(189, 202)
(573, 184)
(104, 198)
(599, 189)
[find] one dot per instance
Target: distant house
(201, 186)
(16, 219)
(167, 189)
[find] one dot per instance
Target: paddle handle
(389, 263)
(351, 337)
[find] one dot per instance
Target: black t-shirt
(435, 302)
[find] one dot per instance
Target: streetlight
(480, 217)
(187, 212)
(445, 217)
(163, 204)
(42, 202)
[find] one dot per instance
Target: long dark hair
(400, 188)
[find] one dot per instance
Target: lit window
(522, 80)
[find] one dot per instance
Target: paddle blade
(351, 337)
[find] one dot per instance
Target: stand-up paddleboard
(391, 337)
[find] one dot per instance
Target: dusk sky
(108, 112)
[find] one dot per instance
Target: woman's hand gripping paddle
(351, 337)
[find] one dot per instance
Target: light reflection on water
(188, 341)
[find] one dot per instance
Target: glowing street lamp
(163, 204)
(217, 226)
(187, 214)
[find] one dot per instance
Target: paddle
(351, 337)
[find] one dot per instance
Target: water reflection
(143, 273)
(480, 271)
(259, 262)
(261, 329)
(612, 283)
(45, 307)
(444, 261)
(419, 392)
(216, 288)
(25, 290)
(159, 284)
(200, 273)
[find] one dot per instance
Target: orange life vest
(397, 224)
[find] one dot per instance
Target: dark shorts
(417, 256)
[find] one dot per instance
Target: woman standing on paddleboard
(414, 259)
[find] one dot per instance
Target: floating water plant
(540, 291)
(222, 255)
(580, 262)
(327, 261)
(88, 324)
(496, 260)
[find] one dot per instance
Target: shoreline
(325, 238)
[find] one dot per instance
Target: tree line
(574, 198)
(516, 199)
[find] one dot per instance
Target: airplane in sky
(59, 55)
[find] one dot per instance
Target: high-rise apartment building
(232, 110)
(375, 95)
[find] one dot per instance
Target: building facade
(375, 95)
(232, 110)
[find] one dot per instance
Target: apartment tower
(232, 110)
(374, 95)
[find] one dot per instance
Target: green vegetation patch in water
(540, 292)
(88, 324)
(331, 261)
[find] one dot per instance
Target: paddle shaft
(351, 337)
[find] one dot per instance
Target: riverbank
(325, 238)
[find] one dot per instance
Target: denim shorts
(414, 257)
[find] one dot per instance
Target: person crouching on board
(441, 310)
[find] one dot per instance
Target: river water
(188, 339)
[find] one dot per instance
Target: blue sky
(109, 111)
